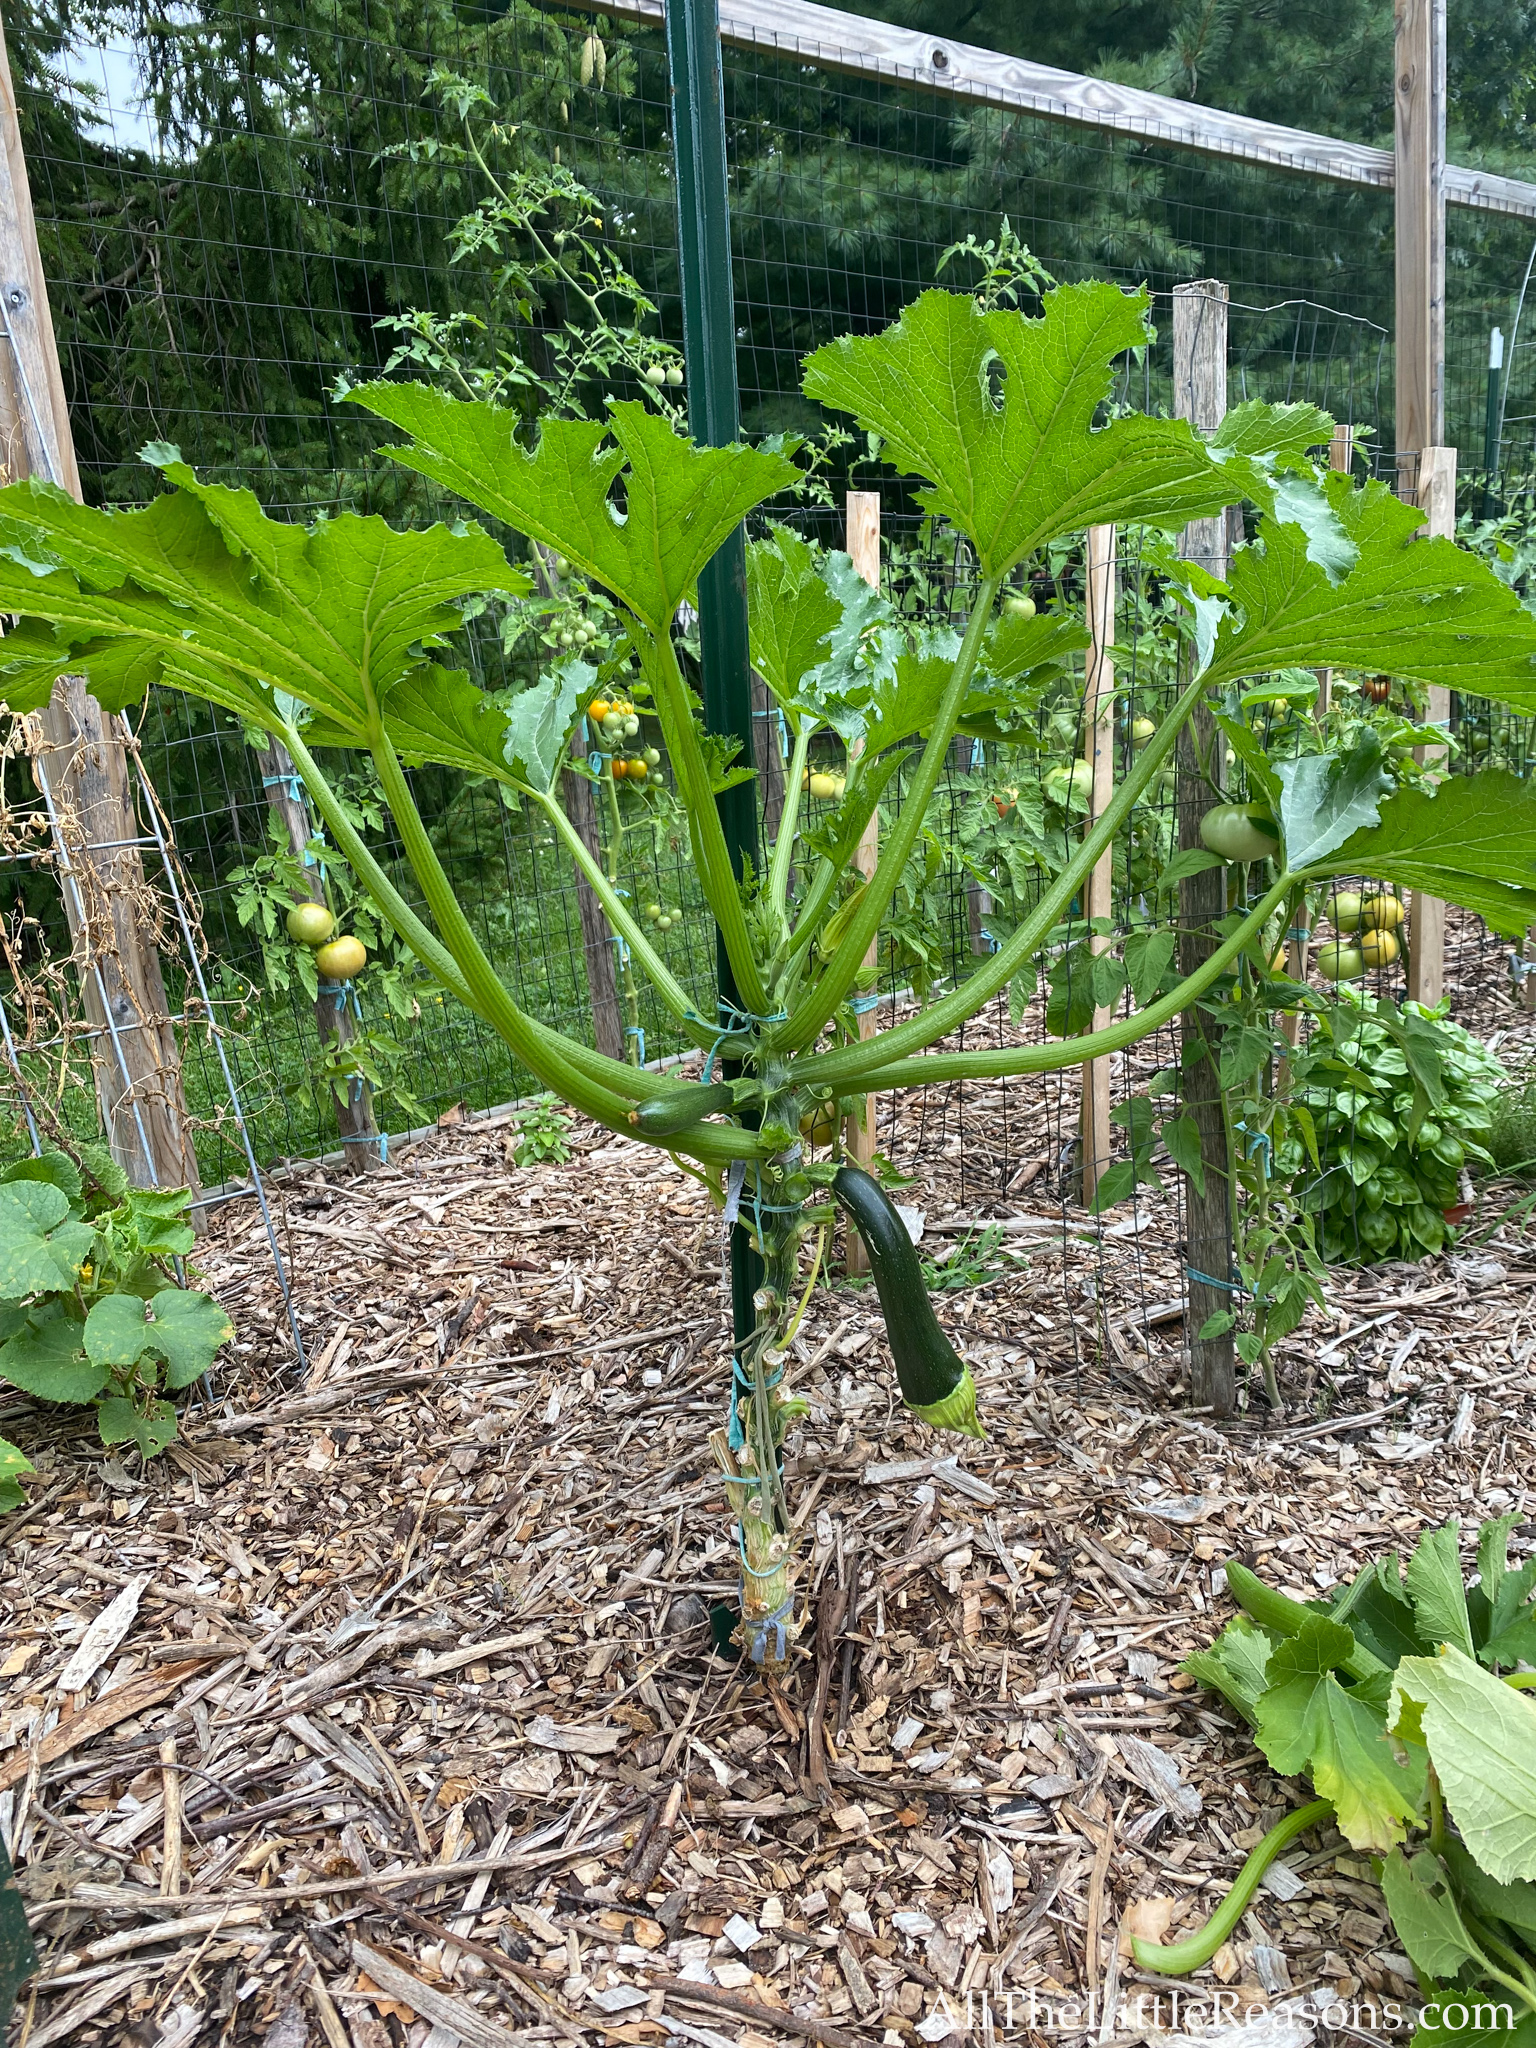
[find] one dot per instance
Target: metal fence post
(709, 349)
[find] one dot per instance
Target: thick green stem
(433, 955)
(1028, 1059)
(545, 1052)
(717, 876)
(784, 844)
(1180, 1957)
(836, 984)
(761, 1412)
(959, 1007)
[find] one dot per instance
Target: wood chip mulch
(383, 1708)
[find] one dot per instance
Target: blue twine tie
(736, 1019)
(862, 1005)
(1210, 1280)
(742, 1384)
(756, 1630)
(637, 1032)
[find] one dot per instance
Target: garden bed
(420, 1672)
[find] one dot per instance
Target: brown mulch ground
(382, 1708)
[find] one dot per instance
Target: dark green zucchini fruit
(935, 1381)
(665, 1115)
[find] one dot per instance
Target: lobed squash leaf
(1408, 606)
(680, 501)
(998, 411)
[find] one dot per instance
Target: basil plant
(339, 636)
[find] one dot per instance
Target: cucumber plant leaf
(1308, 1721)
(46, 1358)
(997, 411)
(1482, 1736)
(201, 589)
(41, 1246)
(117, 1332)
(679, 501)
(1326, 797)
(1412, 607)
(1471, 841)
(13, 1464)
(151, 1427)
(188, 1330)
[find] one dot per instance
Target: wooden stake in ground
(80, 763)
(597, 939)
(1426, 914)
(1099, 750)
(864, 551)
(1419, 232)
(1200, 396)
(333, 1019)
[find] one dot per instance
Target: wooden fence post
(1436, 496)
(863, 536)
(333, 1019)
(1419, 230)
(81, 766)
(1099, 746)
(597, 939)
(1200, 396)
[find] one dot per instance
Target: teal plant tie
(1210, 1280)
(755, 1632)
(637, 1032)
(862, 1005)
(1301, 933)
(735, 1020)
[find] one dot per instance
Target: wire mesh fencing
(242, 224)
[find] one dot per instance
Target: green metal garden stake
(709, 350)
(18, 1958)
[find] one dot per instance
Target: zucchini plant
(334, 636)
(1406, 1698)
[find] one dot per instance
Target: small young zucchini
(935, 1381)
(665, 1115)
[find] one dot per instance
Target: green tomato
(310, 924)
(1142, 730)
(656, 374)
(1240, 832)
(1063, 782)
(1344, 910)
(675, 375)
(664, 923)
(1338, 962)
(1017, 606)
(653, 757)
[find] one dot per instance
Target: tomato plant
(334, 637)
